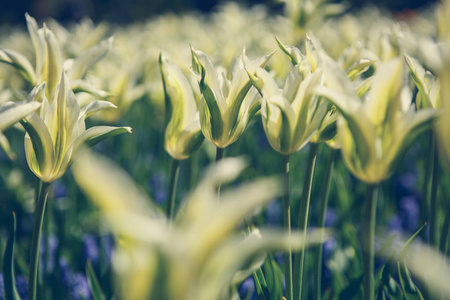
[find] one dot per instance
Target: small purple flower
(247, 290)
(22, 286)
(91, 250)
(107, 247)
(80, 287)
(75, 283)
(53, 243)
(409, 213)
(158, 185)
(273, 213)
(330, 217)
(2, 286)
(406, 184)
(60, 189)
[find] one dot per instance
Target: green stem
(445, 232)
(321, 224)
(369, 241)
(425, 203)
(433, 197)
(287, 228)
(303, 219)
(174, 171)
(36, 239)
(219, 153)
(219, 156)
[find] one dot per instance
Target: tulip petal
(53, 63)
(294, 54)
(42, 144)
(82, 63)
(38, 43)
(20, 62)
(93, 107)
(97, 134)
(13, 112)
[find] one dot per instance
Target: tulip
(183, 134)
(200, 256)
(293, 115)
(373, 134)
(226, 105)
(49, 61)
(59, 131)
(52, 138)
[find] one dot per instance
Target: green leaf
(262, 291)
(274, 277)
(94, 285)
(352, 290)
(409, 288)
(10, 291)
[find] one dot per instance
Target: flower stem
(303, 219)
(41, 201)
(369, 241)
(174, 171)
(287, 228)
(433, 197)
(445, 233)
(219, 153)
(219, 156)
(322, 213)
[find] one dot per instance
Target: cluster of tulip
(365, 86)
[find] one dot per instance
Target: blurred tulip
(183, 134)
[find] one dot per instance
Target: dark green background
(123, 12)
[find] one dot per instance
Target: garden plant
(243, 154)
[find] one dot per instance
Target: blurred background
(124, 12)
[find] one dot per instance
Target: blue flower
(91, 250)
(2, 286)
(247, 289)
(22, 286)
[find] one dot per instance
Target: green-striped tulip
(374, 132)
(59, 130)
(293, 115)
(49, 61)
(226, 105)
(183, 134)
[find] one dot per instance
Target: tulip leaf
(10, 291)
(94, 285)
(262, 291)
(410, 290)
